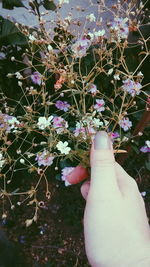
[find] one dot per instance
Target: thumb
(103, 174)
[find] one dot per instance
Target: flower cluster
(8, 123)
(132, 87)
(119, 28)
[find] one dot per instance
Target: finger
(103, 174)
(126, 183)
(77, 175)
(85, 189)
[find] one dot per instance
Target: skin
(116, 228)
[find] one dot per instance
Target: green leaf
(147, 164)
(10, 4)
(49, 5)
(9, 33)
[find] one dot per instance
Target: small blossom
(116, 77)
(146, 148)
(133, 88)
(32, 38)
(99, 105)
(65, 172)
(63, 147)
(114, 135)
(36, 78)
(125, 124)
(80, 47)
(62, 105)
(93, 89)
(44, 158)
(91, 17)
(18, 76)
(59, 124)
(100, 33)
(43, 122)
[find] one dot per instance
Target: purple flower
(133, 88)
(65, 172)
(62, 105)
(114, 135)
(99, 105)
(44, 158)
(125, 124)
(145, 148)
(36, 78)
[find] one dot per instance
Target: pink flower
(36, 78)
(65, 172)
(99, 105)
(125, 124)
(133, 88)
(62, 105)
(93, 89)
(44, 158)
(59, 124)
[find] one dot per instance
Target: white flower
(18, 75)
(43, 122)
(13, 121)
(32, 38)
(63, 147)
(147, 143)
(63, 2)
(2, 160)
(50, 48)
(99, 33)
(116, 77)
(91, 17)
(110, 71)
(96, 122)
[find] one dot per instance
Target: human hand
(116, 227)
